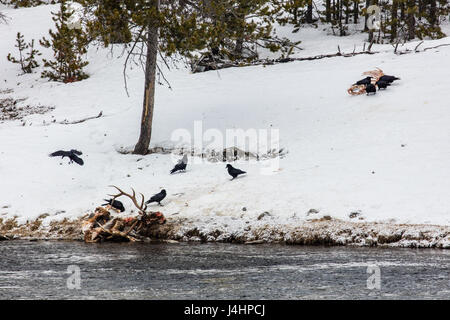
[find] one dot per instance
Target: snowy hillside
(386, 156)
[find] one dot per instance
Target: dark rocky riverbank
(317, 232)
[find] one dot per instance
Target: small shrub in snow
(27, 54)
(3, 18)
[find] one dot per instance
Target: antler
(377, 74)
(355, 90)
(142, 207)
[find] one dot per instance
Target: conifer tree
(69, 44)
(27, 59)
(111, 22)
(237, 35)
(295, 12)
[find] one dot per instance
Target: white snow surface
(345, 152)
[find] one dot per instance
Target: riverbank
(324, 231)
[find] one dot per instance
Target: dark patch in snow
(10, 109)
(354, 214)
(264, 214)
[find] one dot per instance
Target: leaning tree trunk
(149, 91)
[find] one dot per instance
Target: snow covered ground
(386, 156)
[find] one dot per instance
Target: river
(75, 270)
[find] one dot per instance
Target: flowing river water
(75, 270)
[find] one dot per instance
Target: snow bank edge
(332, 232)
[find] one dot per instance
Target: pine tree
(237, 36)
(295, 12)
(68, 44)
(27, 60)
(111, 23)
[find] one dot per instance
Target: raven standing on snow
(233, 171)
(382, 84)
(72, 155)
(116, 204)
(157, 197)
(181, 165)
(388, 79)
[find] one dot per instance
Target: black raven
(116, 204)
(365, 81)
(382, 84)
(72, 155)
(181, 165)
(388, 79)
(370, 88)
(233, 171)
(157, 197)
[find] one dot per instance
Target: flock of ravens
(382, 83)
(73, 155)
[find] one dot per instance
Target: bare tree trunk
(421, 6)
(402, 11)
(355, 11)
(335, 11)
(347, 11)
(309, 10)
(328, 10)
(411, 20)
(433, 19)
(341, 27)
(366, 17)
(149, 91)
(371, 38)
(239, 47)
(394, 21)
(295, 14)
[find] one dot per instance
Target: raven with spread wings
(72, 155)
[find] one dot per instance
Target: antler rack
(142, 207)
(355, 89)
